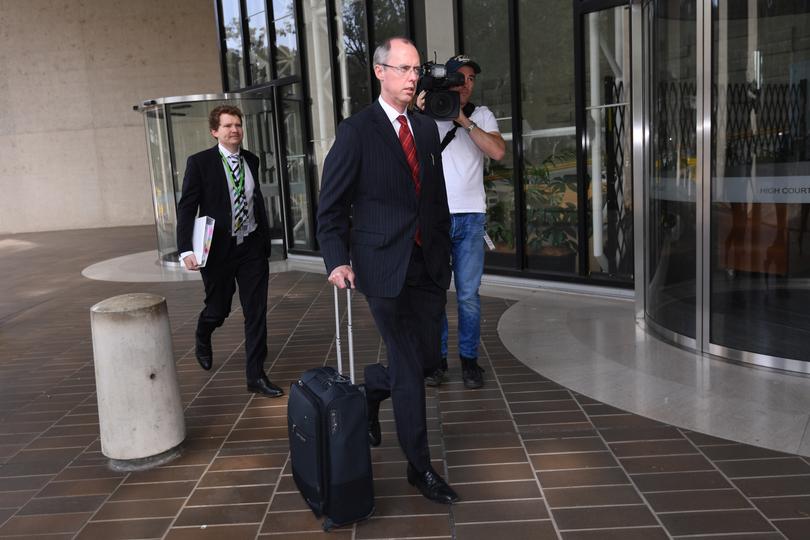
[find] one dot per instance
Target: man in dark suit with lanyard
(222, 183)
(384, 175)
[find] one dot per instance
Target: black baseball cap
(460, 60)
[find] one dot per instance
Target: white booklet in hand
(201, 239)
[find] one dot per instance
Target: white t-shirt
(464, 164)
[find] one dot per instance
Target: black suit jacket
(368, 209)
(205, 187)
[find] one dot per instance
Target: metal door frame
(581, 9)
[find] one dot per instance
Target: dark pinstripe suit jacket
(368, 209)
(205, 187)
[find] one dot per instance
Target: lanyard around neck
(237, 183)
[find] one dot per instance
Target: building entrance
(177, 127)
(722, 159)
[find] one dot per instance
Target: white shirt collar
(392, 113)
(225, 152)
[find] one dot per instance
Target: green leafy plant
(551, 219)
(500, 207)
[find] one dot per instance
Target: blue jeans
(467, 238)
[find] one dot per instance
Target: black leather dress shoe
(374, 431)
(263, 386)
(431, 485)
(202, 349)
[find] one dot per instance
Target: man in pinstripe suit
(383, 227)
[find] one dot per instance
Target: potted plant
(551, 214)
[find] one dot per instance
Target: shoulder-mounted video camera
(441, 103)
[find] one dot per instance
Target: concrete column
(139, 407)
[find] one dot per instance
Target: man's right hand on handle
(340, 275)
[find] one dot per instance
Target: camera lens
(442, 104)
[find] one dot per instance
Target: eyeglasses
(404, 70)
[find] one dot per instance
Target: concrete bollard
(139, 408)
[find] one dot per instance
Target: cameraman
(465, 141)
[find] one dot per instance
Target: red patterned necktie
(409, 147)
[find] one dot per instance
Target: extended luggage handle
(337, 333)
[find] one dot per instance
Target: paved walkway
(530, 459)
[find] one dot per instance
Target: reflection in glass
(259, 139)
(389, 19)
(259, 42)
(190, 133)
(760, 168)
(549, 135)
(286, 38)
(164, 194)
(486, 39)
(320, 87)
(234, 62)
(352, 56)
(293, 108)
(671, 235)
(608, 129)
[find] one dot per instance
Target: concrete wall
(72, 150)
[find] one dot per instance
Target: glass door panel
(164, 193)
(352, 56)
(300, 213)
(549, 135)
(671, 176)
(489, 46)
(607, 164)
(260, 138)
(760, 197)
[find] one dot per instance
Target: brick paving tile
(715, 522)
(62, 505)
(115, 530)
(34, 525)
(556, 446)
(494, 511)
(639, 533)
(743, 536)
(591, 496)
(603, 517)
(216, 532)
(404, 527)
(222, 514)
(515, 530)
(681, 501)
(794, 529)
(230, 495)
(530, 458)
(161, 508)
(574, 460)
(652, 448)
(784, 507)
(583, 477)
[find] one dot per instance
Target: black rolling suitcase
(327, 423)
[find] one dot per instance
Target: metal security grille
(619, 197)
(674, 148)
(768, 122)
(675, 136)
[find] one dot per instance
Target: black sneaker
(472, 373)
(439, 376)
(436, 378)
